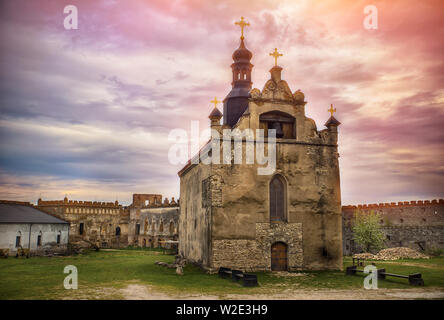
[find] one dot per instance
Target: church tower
(236, 102)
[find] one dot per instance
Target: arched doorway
(144, 243)
(279, 257)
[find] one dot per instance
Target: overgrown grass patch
(108, 271)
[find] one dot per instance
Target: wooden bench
(415, 279)
(224, 272)
(248, 280)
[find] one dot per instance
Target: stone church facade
(231, 216)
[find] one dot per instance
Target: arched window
(282, 122)
(171, 227)
(59, 237)
(18, 239)
(161, 227)
(39, 239)
(277, 199)
(118, 231)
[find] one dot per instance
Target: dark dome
(242, 53)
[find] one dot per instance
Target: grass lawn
(42, 277)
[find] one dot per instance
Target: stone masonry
(415, 224)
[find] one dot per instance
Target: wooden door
(279, 257)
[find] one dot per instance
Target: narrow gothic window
(277, 199)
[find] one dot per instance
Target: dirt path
(142, 292)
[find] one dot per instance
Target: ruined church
(231, 216)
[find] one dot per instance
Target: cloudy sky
(87, 112)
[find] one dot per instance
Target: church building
(231, 216)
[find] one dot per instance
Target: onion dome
(242, 53)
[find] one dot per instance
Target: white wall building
(22, 225)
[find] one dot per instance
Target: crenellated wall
(147, 200)
(415, 224)
(101, 223)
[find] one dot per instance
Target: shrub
(367, 231)
(434, 252)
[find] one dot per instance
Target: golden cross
(215, 101)
(276, 55)
(242, 23)
(332, 110)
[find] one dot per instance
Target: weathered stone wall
(313, 200)
(48, 232)
(156, 225)
(195, 216)
(407, 213)
(416, 224)
(255, 255)
(100, 220)
(140, 200)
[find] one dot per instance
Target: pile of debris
(399, 253)
(178, 264)
(392, 254)
(365, 255)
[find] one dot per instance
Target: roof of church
(332, 122)
(20, 213)
(215, 113)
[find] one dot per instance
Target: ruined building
(153, 223)
(104, 224)
(232, 216)
(415, 224)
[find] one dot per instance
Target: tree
(367, 231)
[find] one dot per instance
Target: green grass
(101, 273)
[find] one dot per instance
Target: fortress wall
(415, 224)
